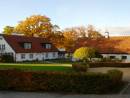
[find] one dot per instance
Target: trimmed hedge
(90, 83)
(109, 64)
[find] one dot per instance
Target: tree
(70, 38)
(92, 33)
(58, 39)
(8, 30)
(85, 32)
(84, 53)
(35, 25)
(82, 31)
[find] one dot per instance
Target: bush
(109, 64)
(116, 75)
(80, 66)
(7, 59)
(91, 83)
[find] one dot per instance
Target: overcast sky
(111, 15)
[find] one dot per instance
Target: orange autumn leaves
(41, 26)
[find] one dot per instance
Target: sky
(110, 15)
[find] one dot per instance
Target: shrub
(116, 75)
(7, 59)
(96, 83)
(80, 66)
(109, 64)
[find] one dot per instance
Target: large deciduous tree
(35, 25)
(70, 38)
(88, 32)
(92, 33)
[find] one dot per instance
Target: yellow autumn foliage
(34, 25)
(84, 53)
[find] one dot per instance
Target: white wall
(17, 56)
(36, 56)
(118, 56)
(8, 48)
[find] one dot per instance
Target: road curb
(124, 89)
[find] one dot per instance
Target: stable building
(112, 47)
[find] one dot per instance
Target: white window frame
(46, 55)
(23, 56)
(27, 45)
(31, 56)
(54, 54)
(48, 46)
(2, 47)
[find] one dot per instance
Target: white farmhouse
(24, 48)
(111, 47)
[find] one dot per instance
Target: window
(46, 45)
(46, 55)
(2, 47)
(112, 57)
(22, 56)
(27, 45)
(0, 37)
(54, 54)
(124, 57)
(31, 56)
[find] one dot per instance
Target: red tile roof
(15, 40)
(113, 45)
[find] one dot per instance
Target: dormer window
(27, 45)
(46, 45)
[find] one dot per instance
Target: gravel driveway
(126, 71)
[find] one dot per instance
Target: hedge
(80, 67)
(109, 64)
(88, 83)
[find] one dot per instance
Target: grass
(37, 67)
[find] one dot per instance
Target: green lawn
(37, 67)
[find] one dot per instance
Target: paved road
(6, 94)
